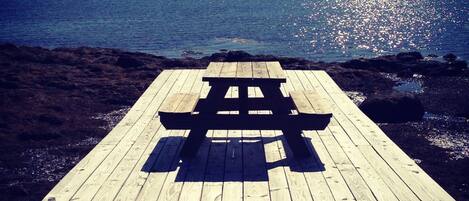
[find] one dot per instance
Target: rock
(357, 64)
(230, 56)
(428, 67)
(128, 62)
(450, 57)
(459, 64)
(405, 73)
(432, 55)
(189, 53)
(393, 108)
(383, 64)
(409, 56)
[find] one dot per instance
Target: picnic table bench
(188, 111)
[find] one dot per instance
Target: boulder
(409, 56)
(383, 64)
(230, 56)
(450, 57)
(393, 108)
(458, 65)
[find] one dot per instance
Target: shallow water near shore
(316, 30)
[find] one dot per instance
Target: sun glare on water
(379, 25)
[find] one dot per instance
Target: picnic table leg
(198, 132)
(193, 141)
(296, 142)
(292, 135)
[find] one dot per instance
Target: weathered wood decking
(354, 159)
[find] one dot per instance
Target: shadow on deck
(227, 159)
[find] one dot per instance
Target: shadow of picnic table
(229, 159)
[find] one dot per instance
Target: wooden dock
(353, 159)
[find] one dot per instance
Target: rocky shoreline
(57, 104)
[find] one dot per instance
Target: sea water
(327, 30)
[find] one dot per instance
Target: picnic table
(188, 111)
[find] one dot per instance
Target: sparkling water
(315, 29)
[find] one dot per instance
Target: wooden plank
(213, 69)
(195, 179)
(213, 180)
(297, 185)
(315, 179)
(390, 178)
(275, 70)
(354, 180)
(188, 103)
(229, 70)
(214, 174)
(113, 184)
(171, 103)
(233, 185)
(275, 162)
(380, 189)
(115, 149)
(311, 166)
(338, 116)
(166, 162)
(233, 171)
(137, 177)
(301, 102)
(278, 184)
(166, 167)
(393, 181)
(68, 186)
(259, 70)
(349, 170)
(376, 184)
(334, 179)
(332, 175)
(425, 187)
(317, 102)
(132, 164)
(255, 178)
(176, 185)
(134, 182)
(190, 188)
(244, 70)
(99, 176)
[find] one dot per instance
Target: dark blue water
(315, 29)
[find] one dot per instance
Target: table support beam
(292, 135)
(198, 132)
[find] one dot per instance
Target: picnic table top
(267, 71)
